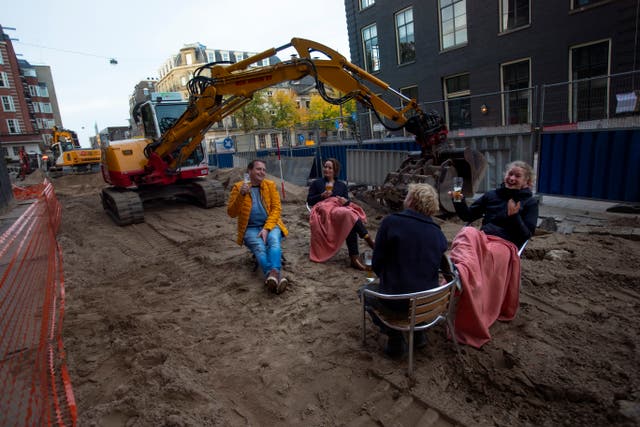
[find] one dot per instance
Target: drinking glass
(457, 188)
(367, 258)
(246, 178)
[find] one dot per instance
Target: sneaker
(282, 285)
(272, 280)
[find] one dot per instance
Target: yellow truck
(67, 155)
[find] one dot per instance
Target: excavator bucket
(439, 172)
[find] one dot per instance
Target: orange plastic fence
(34, 381)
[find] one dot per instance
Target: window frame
(13, 126)
(4, 79)
(506, 93)
(7, 103)
(504, 27)
(398, 37)
(370, 62)
(457, 96)
(365, 4)
(454, 32)
(576, 84)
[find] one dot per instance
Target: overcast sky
(77, 38)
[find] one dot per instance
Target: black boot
(420, 339)
(396, 345)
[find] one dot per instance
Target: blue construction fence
(591, 164)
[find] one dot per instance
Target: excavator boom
(216, 91)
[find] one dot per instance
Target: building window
(514, 14)
(225, 55)
(1, 60)
(7, 103)
(262, 140)
(211, 57)
(188, 58)
(517, 93)
(42, 90)
(371, 49)
(13, 125)
(45, 107)
(458, 101)
(577, 4)
(366, 3)
(453, 23)
(4, 81)
(274, 140)
(589, 82)
(410, 92)
(404, 34)
(33, 90)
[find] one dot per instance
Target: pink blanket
(330, 224)
(490, 274)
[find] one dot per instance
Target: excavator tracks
(123, 206)
(209, 193)
(126, 206)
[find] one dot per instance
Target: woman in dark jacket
(509, 212)
(330, 186)
(407, 257)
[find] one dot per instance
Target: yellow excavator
(162, 164)
(67, 156)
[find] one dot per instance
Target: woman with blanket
(334, 218)
(487, 259)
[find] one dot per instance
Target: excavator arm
(227, 88)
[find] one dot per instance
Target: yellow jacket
(240, 206)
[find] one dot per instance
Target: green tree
(254, 114)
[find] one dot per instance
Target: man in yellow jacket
(256, 203)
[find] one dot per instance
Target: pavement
(571, 215)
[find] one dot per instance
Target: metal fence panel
(599, 165)
(371, 167)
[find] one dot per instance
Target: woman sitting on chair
(407, 257)
(509, 212)
(334, 218)
(487, 259)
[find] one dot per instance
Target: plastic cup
(367, 259)
(246, 178)
(457, 188)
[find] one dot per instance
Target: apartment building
(451, 54)
(29, 106)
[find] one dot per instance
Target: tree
(253, 115)
(325, 113)
(282, 106)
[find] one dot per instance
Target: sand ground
(167, 325)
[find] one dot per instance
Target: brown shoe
(272, 280)
(356, 263)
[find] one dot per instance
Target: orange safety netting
(34, 380)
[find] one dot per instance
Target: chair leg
(411, 354)
(364, 320)
(453, 335)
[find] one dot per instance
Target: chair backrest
(426, 308)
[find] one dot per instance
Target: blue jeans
(269, 256)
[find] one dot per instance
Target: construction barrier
(34, 380)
